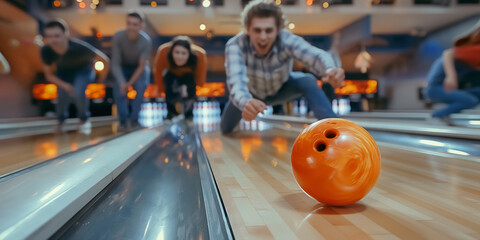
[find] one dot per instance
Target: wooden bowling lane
(18, 153)
(417, 196)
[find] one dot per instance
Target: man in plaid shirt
(259, 62)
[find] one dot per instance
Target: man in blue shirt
(259, 62)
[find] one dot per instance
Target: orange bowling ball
(335, 161)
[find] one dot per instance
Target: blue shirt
(250, 75)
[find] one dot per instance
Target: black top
(79, 56)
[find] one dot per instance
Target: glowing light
(213, 89)
(56, 3)
(44, 91)
(363, 61)
(278, 2)
(355, 86)
(209, 35)
(99, 66)
(95, 91)
(432, 143)
(309, 2)
(166, 160)
(95, 2)
(79, 0)
(474, 122)
(206, 3)
(93, 6)
(291, 26)
(98, 35)
(87, 160)
(51, 193)
(325, 5)
(82, 5)
(203, 27)
(153, 4)
(131, 93)
(453, 151)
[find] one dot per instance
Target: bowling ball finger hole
(331, 133)
(320, 146)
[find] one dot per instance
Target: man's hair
(136, 14)
(262, 9)
(60, 23)
(185, 42)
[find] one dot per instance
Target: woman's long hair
(185, 42)
(472, 38)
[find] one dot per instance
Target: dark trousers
(80, 82)
(466, 96)
(123, 102)
(173, 93)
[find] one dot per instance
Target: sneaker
(85, 127)
(122, 127)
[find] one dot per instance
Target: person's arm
(236, 71)
(237, 80)
(160, 65)
(117, 61)
(319, 62)
(142, 62)
(48, 71)
(201, 69)
(451, 79)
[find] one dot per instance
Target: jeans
(123, 103)
(81, 79)
(172, 92)
(467, 96)
(456, 100)
(298, 84)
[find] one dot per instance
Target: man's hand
(252, 108)
(450, 83)
(124, 88)
(334, 76)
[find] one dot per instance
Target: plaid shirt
(250, 75)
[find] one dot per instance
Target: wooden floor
(22, 152)
(418, 196)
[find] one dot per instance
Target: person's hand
(252, 109)
(450, 83)
(124, 88)
(67, 87)
(334, 76)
